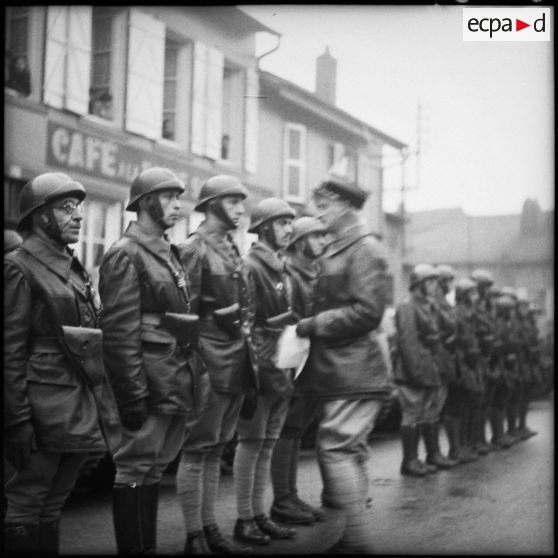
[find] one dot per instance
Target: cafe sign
(94, 155)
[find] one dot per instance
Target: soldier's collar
(49, 254)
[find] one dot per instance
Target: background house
(517, 249)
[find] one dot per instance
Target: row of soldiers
(177, 354)
(464, 364)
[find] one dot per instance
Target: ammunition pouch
(228, 318)
(184, 327)
(281, 320)
(84, 348)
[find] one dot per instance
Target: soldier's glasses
(69, 207)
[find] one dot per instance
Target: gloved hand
(20, 442)
(134, 414)
(305, 327)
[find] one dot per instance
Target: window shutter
(199, 99)
(79, 58)
(55, 56)
(251, 121)
(214, 123)
(146, 55)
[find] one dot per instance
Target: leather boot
(246, 530)
(284, 464)
(477, 435)
(195, 544)
(467, 452)
(271, 528)
(20, 539)
(49, 538)
(452, 430)
(410, 464)
(126, 515)
(304, 506)
(434, 456)
(149, 509)
(218, 544)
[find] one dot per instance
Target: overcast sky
(487, 126)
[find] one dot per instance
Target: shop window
(294, 181)
(101, 226)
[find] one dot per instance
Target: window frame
(289, 162)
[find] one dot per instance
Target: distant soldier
(529, 347)
(258, 429)
(58, 405)
(449, 394)
(150, 342)
(303, 252)
(484, 327)
(417, 367)
(468, 356)
(516, 368)
(221, 297)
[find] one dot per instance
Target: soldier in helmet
(449, 400)
(12, 239)
(417, 367)
(506, 405)
(305, 247)
(346, 370)
(264, 412)
(484, 328)
(58, 405)
(221, 297)
(150, 343)
(468, 355)
(527, 356)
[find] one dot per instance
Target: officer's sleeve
(119, 288)
(368, 281)
(17, 320)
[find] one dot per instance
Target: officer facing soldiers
(150, 341)
(448, 395)
(221, 297)
(58, 405)
(468, 354)
(484, 327)
(259, 429)
(417, 369)
(305, 247)
(346, 370)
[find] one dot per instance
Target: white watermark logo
(507, 24)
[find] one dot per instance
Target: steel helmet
(521, 297)
(421, 272)
(445, 271)
(11, 240)
(305, 225)
(464, 285)
(218, 186)
(42, 190)
(270, 208)
(494, 291)
(505, 301)
(152, 180)
(482, 277)
(509, 291)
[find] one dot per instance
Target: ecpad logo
(506, 24)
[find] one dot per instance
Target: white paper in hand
(292, 350)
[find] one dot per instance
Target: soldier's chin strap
(153, 207)
(50, 225)
(266, 233)
(216, 207)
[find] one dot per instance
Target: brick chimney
(326, 77)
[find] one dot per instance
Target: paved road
(501, 504)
